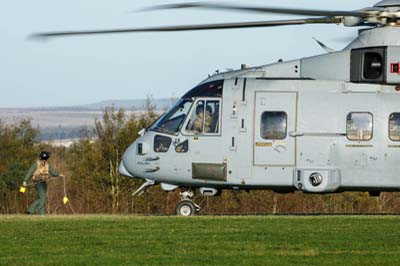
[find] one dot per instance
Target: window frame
(389, 136)
(261, 125)
(184, 132)
(372, 127)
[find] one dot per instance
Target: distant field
(56, 124)
(130, 240)
(48, 118)
(77, 116)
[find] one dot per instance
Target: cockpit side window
(205, 118)
(195, 124)
(162, 143)
(212, 117)
(182, 147)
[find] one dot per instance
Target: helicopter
(324, 124)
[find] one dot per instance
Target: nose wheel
(186, 207)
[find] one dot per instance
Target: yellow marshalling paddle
(65, 200)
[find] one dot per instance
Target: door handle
(296, 134)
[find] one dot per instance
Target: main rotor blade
(236, 25)
(277, 10)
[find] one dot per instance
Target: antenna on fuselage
(326, 48)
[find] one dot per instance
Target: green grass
(130, 240)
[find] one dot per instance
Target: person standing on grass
(40, 172)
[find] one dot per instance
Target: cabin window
(359, 126)
(182, 147)
(394, 127)
(204, 118)
(274, 125)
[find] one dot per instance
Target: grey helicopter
(323, 124)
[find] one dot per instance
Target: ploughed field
(204, 240)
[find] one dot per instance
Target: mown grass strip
(258, 240)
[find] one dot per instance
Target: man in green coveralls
(40, 172)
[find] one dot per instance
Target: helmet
(44, 155)
(209, 109)
(199, 109)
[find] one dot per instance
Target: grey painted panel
(374, 37)
(332, 66)
(393, 65)
(290, 69)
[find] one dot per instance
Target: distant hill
(134, 104)
(129, 104)
(66, 122)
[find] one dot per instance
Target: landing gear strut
(186, 207)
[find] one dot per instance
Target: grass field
(130, 240)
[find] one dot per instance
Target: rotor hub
(388, 3)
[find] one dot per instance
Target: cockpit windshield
(172, 121)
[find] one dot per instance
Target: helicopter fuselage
(276, 133)
(323, 124)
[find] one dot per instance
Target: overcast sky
(80, 70)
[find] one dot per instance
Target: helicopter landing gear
(186, 207)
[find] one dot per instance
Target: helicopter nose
(127, 164)
(123, 171)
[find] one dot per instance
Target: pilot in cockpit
(196, 126)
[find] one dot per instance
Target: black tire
(185, 208)
(374, 193)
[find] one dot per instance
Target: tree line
(93, 184)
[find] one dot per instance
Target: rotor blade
(236, 25)
(277, 10)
